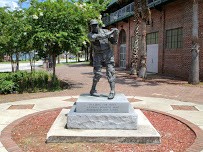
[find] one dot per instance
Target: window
(122, 37)
(174, 38)
(152, 38)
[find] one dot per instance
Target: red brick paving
(197, 146)
(80, 78)
(6, 134)
(11, 146)
(25, 106)
(71, 99)
(133, 100)
(184, 107)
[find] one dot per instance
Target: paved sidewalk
(194, 112)
(157, 93)
(80, 78)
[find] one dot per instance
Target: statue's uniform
(103, 53)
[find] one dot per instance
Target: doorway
(152, 58)
(122, 54)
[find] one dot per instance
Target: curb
(6, 134)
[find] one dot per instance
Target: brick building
(169, 37)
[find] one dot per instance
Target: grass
(72, 63)
(27, 61)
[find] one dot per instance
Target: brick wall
(175, 62)
(122, 26)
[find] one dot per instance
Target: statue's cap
(93, 21)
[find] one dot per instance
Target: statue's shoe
(111, 95)
(94, 93)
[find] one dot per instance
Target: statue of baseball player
(101, 39)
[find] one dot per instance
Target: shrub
(4, 76)
(55, 84)
(7, 87)
(23, 81)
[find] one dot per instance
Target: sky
(13, 4)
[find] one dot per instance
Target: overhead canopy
(151, 3)
(112, 3)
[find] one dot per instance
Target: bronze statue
(101, 39)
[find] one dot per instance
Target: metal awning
(112, 3)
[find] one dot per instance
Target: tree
(2, 18)
(145, 17)
(54, 28)
(12, 27)
(59, 26)
(142, 16)
(194, 73)
(99, 5)
(134, 59)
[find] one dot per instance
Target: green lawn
(71, 63)
(19, 62)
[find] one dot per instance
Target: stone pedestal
(91, 120)
(91, 104)
(100, 113)
(145, 133)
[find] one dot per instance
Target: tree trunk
(54, 66)
(134, 58)
(143, 53)
(17, 61)
(12, 63)
(59, 59)
(31, 62)
(194, 73)
(66, 58)
(87, 54)
(34, 59)
(78, 57)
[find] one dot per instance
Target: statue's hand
(115, 29)
(113, 32)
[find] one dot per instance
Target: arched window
(122, 37)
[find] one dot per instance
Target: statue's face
(95, 28)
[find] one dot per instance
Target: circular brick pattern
(198, 144)
(11, 146)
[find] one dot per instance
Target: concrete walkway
(9, 112)
(156, 93)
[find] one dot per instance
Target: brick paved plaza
(80, 78)
(168, 96)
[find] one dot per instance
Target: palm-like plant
(194, 73)
(142, 16)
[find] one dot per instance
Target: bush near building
(23, 81)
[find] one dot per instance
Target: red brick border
(11, 146)
(197, 146)
(6, 135)
(184, 107)
(23, 106)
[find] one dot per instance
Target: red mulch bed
(30, 136)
